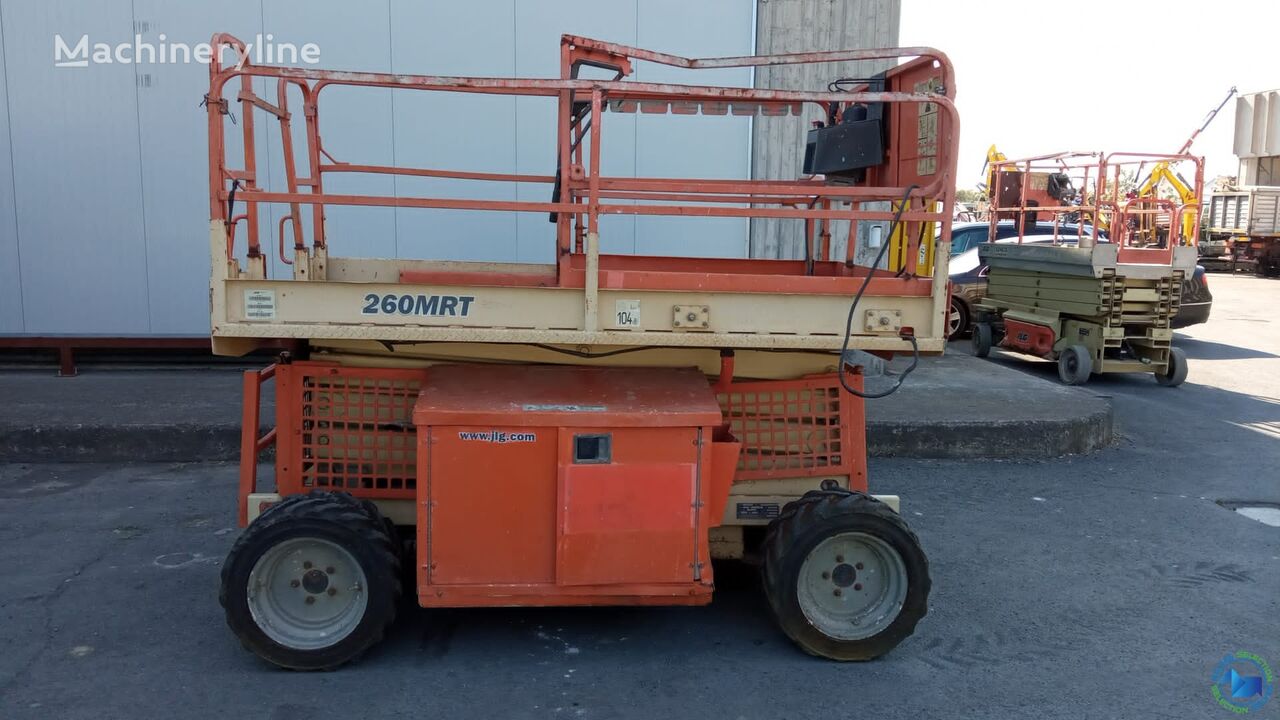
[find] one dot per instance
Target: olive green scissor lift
(1101, 297)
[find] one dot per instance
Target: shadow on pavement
(1208, 350)
(738, 624)
(1202, 419)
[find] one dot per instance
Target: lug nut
(311, 599)
(294, 583)
(839, 558)
(306, 565)
(329, 569)
(858, 566)
(826, 575)
(334, 591)
(857, 586)
(837, 593)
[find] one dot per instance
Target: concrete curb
(992, 440)
(221, 442)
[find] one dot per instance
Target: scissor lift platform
(715, 303)
(1101, 298)
(586, 298)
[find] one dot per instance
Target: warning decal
(757, 511)
(927, 131)
(259, 304)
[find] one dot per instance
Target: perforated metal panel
(792, 428)
(347, 429)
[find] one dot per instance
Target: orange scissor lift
(593, 430)
(1100, 298)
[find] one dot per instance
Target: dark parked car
(969, 284)
(1196, 300)
(966, 235)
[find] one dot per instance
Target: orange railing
(918, 178)
(1098, 192)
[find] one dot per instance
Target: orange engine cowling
(563, 485)
(1027, 337)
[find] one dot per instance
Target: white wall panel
(693, 146)
(10, 276)
(175, 160)
(539, 25)
(76, 159)
(355, 123)
(455, 131)
(109, 211)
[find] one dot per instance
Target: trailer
(1241, 230)
(597, 429)
(1093, 303)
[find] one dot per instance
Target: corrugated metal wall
(103, 199)
(1257, 137)
(778, 142)
(10, 274)
(103, 185)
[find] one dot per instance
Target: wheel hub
(844, 575)
(315, 581)
(307, 593)
(852, 586)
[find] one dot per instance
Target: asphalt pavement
(1106, 585)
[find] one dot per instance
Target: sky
(1035, 77)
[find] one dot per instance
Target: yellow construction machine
(1164, 172)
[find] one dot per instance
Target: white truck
(1241, 229)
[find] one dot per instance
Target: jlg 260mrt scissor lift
(1100, 298)
(596, 429)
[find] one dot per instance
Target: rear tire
(313, 582)
(844, 575)
(982, 339)
(1267, 264)
(1075, 364)
(1176, 373)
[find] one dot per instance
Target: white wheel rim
(307, 593)
(953, 319)
(852, 586)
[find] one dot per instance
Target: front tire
(313, 582)
(1075, 365)
(845, 577)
